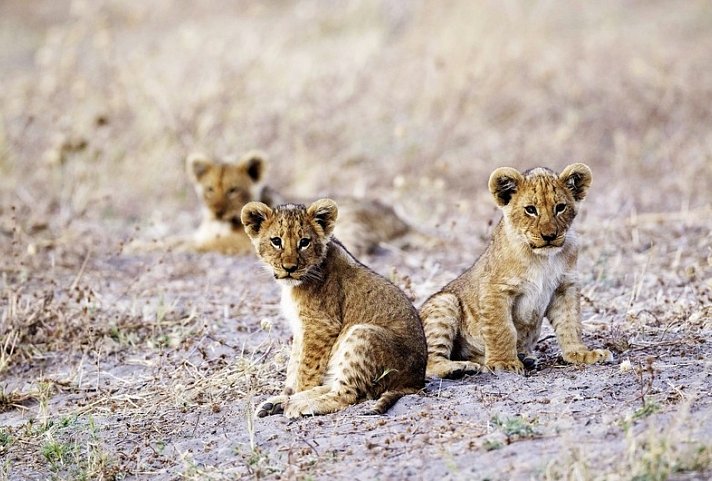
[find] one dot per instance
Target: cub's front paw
(273, 405)
(586, 356)
(513, 365)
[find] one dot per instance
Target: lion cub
(225, 187)
(492, 314)
(356, 335)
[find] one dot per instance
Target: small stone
(626, 366)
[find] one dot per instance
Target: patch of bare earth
(117, 365)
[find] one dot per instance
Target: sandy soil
(117, 365)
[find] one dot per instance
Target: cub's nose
(548, 237)
(289, 268)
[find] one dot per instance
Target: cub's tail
(389, 398)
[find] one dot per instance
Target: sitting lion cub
(492, 314)
(356, 335)
(225, 187)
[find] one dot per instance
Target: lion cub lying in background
(492, 314)
(225, 187)
(356, 335)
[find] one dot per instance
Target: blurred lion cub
(225, 187)
(492, 314)
(356, 335)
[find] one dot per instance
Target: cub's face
(540, 205)
(291, 239)
(225, 188)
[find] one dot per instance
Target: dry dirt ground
(116, 365)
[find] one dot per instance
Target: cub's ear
(254, 162)
(503, 184)
(197, 165)
(253, 216)
(577, 178)
(324, 212)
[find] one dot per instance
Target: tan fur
(492, 314)
(225, 187)
(356, 336)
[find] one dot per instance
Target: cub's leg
(275, 404)
(441, 315)
(290, 385)
(499, 332)
(564, 313)
(364, 362)
(314, 349)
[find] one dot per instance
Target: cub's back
(370, 298)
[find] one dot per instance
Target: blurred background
(412, 102)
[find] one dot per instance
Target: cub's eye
(530, 209)
(276, 242)
(304, 242)
(232, 191)
(209, 190)
(559, 208)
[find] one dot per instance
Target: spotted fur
(492, 314)
(356, 336)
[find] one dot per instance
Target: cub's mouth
(280, 277)
(288, 279)
(295, 277)
(557, 244)
(284, 274)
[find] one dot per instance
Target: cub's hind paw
(298, 407)
(531, 363)
(453, 369)
(514, 365)
(312, 402)
(586, 356)
(272, 406)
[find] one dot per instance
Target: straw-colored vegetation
(148, 366)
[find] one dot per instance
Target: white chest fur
(290, 311)
(212, 229)
(540, 281)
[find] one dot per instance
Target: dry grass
(115, 365)
(652, 454)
